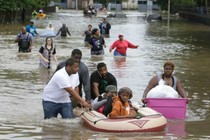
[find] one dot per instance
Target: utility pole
(76, 4)
(206, 3)
(168, 20)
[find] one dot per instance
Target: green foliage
(18, 5)
(9, 9)
(164, 3)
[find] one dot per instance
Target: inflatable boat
(41, 15)
(150, 121)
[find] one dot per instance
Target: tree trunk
(206, 5)
(23, 15)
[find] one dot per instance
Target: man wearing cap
(31, 28)
(104, 27)
(98, 103)
(97, 43)
(121, 46)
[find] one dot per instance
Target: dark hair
(89, 25)
(76, 51)
(71, 61)
(100, 65)
(94, 31)
(46, 41)
(126, 90)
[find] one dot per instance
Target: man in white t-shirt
(56, 93)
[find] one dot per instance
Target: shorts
(51, 110)
(118, 54)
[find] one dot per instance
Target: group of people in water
(63, 91)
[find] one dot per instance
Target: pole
(169, 3)
(168, 21)
(207, 7)
(76, 4)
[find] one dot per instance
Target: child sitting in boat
(99, 102)
(121, 107)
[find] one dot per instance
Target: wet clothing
(87, 35)
(34, 13)
(104, 28)
(64, 31)
(83, 78)
(97, 45)
(119, 108)
(25, 42)
(99, 101)
(47, 53)
(31, 29)
(102, 81)
(121, 47)
(58, 98)
(174, 79)
(54, 91)
(108, 106)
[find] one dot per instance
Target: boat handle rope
(90, 120)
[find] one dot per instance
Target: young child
(100, 101)
(121, 107)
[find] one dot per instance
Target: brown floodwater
(183, 42)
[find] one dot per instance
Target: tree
(9, 9)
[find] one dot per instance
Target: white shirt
(54, 91)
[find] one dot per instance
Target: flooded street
(184, 43)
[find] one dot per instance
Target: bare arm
(95, 89)
(68, 32)
(112, 46)
(152, 83)
(75, 94)
(180, 89)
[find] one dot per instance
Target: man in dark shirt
(100, 79)
(83, 74)
(64, 31)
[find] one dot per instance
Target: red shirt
(121, 46)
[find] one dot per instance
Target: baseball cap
(31, 21)
(120, 35)
(111, 88)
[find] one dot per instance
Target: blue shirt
(31, 29)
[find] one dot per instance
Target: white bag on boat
(162, 91)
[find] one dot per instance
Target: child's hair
(126, 90)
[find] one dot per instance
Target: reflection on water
(22, 81)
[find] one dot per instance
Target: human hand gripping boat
(148, 120)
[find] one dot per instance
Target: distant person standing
(47, 53)
(97, 43)
(50, 26)
(121, 46)
(34, 13)
(64, 31)
(87, 35)
(104, 27)
(31, 28)
(25, 40)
